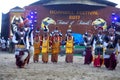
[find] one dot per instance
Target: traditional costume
(56, 40)
(98, 48)
(36, 46)
(45, 47)
(46, 43)
(69, 46)
(110, 61)
(21, 41)
(88, 40)
(21, 51)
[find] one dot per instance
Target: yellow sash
(69, 46)
(56, 47)
(45, 45)
(37, 47)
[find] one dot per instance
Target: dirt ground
(59, 71)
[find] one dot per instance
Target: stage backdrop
(80, 17)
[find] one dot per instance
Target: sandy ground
(59, 71)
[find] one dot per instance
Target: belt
(20, 46)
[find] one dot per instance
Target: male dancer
(88, 40)
(20, 39)
(22, 45)
(109, 57)
(98, 47)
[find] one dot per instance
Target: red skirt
(54, 58)
(69, 58)
(88, 57)
(98, 61)
(110, 63)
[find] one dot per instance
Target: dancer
(56, 41)
(69, 46)
(45, 42)
(36, 46)
(88, 41)
(98, 47)
(21, 41)
(110, 54)
(45, 47)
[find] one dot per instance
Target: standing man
(88, 41)
(98, 47)
(69, 46)
(110, 53)
(56, 42)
